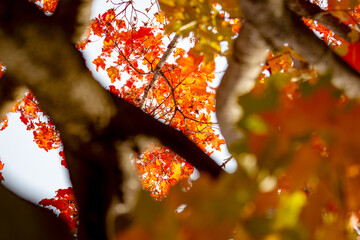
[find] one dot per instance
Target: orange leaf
(99, 62)
(160, 17)
(113, 73)
(179, 52)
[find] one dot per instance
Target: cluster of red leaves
(163, 169)
(45, 134)
(48, 6)
(65, 202)
(326, 34)
(128, 45)
(181, 96)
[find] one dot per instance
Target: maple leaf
(190, 63)
(47, 6)
(45, 133)
(97, 27)
(296, 127)
(113, 73)
(162, 169)
(179, 52)
(160, 17)
(99, 62)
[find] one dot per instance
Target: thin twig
(158, 67)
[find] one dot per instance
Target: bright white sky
(29, 171)
(35, 174)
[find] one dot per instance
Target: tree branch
(121, 126)
(158, 68)
(131, 65)
(250, 51)
(304, 8)
(278, 25)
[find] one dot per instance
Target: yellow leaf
(160, 17)
(176, 170)
(113, 73)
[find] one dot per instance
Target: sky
(35, 174)
(29, 171)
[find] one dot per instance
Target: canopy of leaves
(166, 82)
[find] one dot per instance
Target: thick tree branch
(128, 126)
(250, 52)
